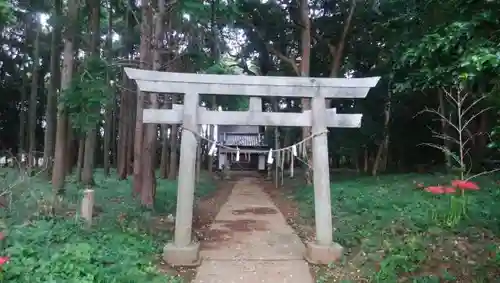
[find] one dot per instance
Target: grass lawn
(393, 231)
(122, 247)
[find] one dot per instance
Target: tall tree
(149, 161)
(22, 112)
(215, 49)
(35, 75)
(305, 47)
(145, 59)
(91, 137)
(59, 172)
(126, 115)
(55, 81)
(109, 111)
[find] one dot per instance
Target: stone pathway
(250, 242)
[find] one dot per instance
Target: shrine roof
(243, 139)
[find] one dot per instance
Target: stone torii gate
(183, 251)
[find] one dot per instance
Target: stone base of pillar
(319, 254)
(188, 256)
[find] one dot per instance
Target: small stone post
(87, 208)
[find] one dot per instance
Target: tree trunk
(24, 96)
(383, 148)
(164, 150)
(32, 122)
(139, 127)
(126, 117)
(174, 141)
(148, 188)
(212, 136)
(108, 140)
(80, 158)
(277, 158)
(365, 160)
(305, 46)
(73, 138)
(481, 141)
(337, 52)
(131, 127)
(89, 157)
(55, 80)
(72, 144)
(22, 117)
(59, 172)
(114, 135)
(91, 137)
(287, 142)
(216, 58)
(144, 179)
(357, 163)
(108, 121)
(198, 158)
(124, 127)
(121, 140)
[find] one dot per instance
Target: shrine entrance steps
(250, 242)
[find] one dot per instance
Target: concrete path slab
(250, 241)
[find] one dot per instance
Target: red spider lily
(439, 190)
(449, 190)
(465, 185)
(3, 260)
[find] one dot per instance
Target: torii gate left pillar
(183, 251)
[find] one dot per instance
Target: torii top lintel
(168, 82)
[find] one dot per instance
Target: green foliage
(199, 9)
(122, 246)
(462, 48)
(228, 102)
(53, 251)
(6, 16)
(90, 91)
(386, 225)
(495, 136)
(405, 257)
(450, 55)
